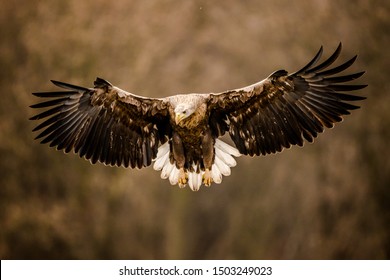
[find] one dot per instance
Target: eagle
(180, 134)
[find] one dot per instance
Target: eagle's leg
(208, 157)
(182, 181)
(178, 155)
(207, 179)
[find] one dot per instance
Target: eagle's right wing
(103, 123)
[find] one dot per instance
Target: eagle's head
(183, 111)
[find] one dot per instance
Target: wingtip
(69, 86)
(338, 50)
(311, 63)
(57, 83)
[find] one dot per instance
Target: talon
(207, 179)
(182, 178)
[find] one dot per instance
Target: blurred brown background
(328, 200)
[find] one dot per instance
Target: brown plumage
(180, 133)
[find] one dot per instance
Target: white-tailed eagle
(180, 133)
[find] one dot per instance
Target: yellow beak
(179, 117)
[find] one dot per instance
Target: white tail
(224, 160)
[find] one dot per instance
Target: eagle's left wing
(284, 109)
(103, 123)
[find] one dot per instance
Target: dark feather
(343, 79)
(53, 94)
(328, 61)
(283, 109)
(338, 69)
(311, 63)
(101, 125)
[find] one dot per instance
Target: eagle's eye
(184, 112)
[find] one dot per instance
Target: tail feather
(166, 171)
(174, 176)
(194, 180)
(224, 160)
(216, 175)
(222, 166)
(162, 157)
(219, 144)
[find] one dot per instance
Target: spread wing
(284, 109)
(103, 123)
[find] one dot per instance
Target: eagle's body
(180, 133)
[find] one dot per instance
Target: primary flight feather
(180, 133)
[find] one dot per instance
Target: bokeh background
(328, 200)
